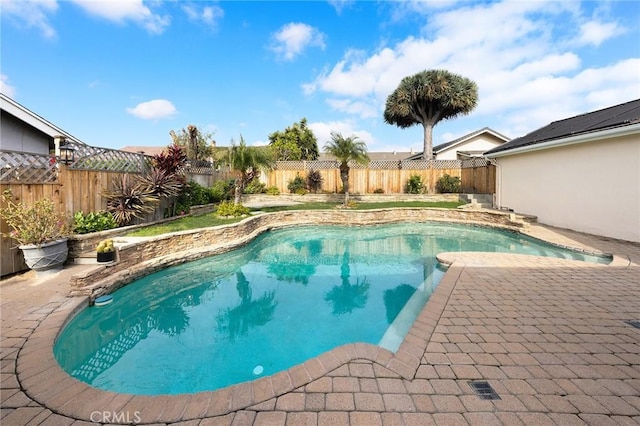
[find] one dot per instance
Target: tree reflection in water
(347, 297)
(248, 313)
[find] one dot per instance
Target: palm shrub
(448, 184)
(345, 150)
(314, 181)
(129, 199)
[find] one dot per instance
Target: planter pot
(47, 256)
(109, 256)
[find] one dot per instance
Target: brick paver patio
(550, 337)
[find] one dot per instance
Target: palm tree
(428, 98)
(249, 161)
(345, 150)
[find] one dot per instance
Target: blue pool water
(288, 296)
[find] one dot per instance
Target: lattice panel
(306, 165)
(92, 158)
(27, 168)
(475, 162)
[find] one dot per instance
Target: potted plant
(105, 251)
(40, 230)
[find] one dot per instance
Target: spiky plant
(129, 199)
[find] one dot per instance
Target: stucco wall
(479, 143)
(591, 187)
(18, 136)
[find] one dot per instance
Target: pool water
(288, 296)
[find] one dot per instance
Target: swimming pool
(288, 296)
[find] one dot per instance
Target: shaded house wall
(16, 135)
(591, 187)
(480, 143)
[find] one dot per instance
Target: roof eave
(571, 140)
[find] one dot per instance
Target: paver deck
(550, 336)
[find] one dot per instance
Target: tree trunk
(344, 176)
(238, 193)
(427, 150)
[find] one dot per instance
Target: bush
(414, 185)
(296, 184)
(448, 184)
(273, 190)
(314, 181)
(222, 190)
(378, 191)
(93, 222)
(228, 208)
(255, 187)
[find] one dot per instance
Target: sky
(126, 72)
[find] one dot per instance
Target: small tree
(198, 146)
(248, 161)
(428, 98)
(345, 150)
(297, 142)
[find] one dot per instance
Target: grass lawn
(210, 219)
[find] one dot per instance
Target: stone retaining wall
(339, 198)
(141, 258)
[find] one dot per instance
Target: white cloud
(529, 72)
(594, 33)
(5, 87)
(31, 14)
(363, 109)
(292, 39)
(208, 15)
(153, 110)
(340, 5)
(322, 131)
(127, 10)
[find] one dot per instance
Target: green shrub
(296, 184)
(93, 222)
(378, 191)
(273, 190)
(222, 190)
(255, 187)
(228, 208)
(301, 191)
(448, 184)
(414, 185)
(314, 181)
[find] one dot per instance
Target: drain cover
(483, 390)
(634, 323)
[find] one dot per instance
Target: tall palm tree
(427, 98)
(345, 150)
(249, 161)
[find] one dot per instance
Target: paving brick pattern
(548, 335)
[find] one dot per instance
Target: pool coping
(45, 382)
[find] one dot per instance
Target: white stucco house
(25, 131)
(580, 173)
(468, 146)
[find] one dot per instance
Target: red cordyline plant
(34, 224)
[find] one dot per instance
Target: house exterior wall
(480, 143)
(591, 187)
(19, 136)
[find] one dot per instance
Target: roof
(147, 150)
(443, 146)
(608, 118)
(34, 120)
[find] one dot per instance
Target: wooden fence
(71, 190)
(391, 178)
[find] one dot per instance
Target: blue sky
(117, 73)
